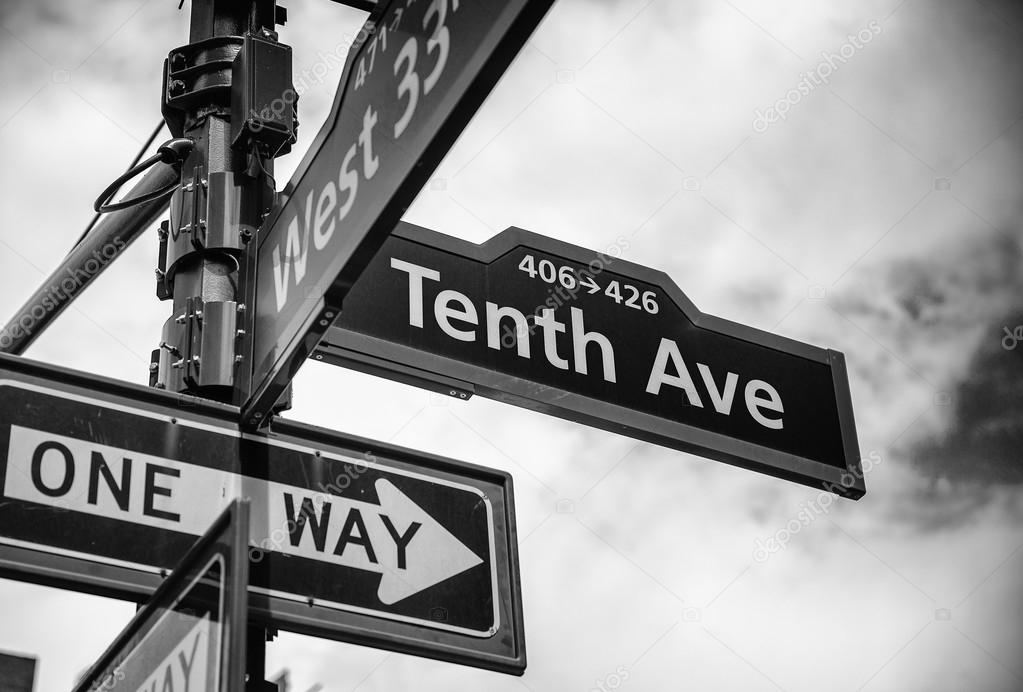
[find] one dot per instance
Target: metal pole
(224, 193)
(228, 90)
(108, 239)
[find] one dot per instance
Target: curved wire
(103, 204)
(172, 152)
(149, 142)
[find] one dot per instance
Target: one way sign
(391, 537)
(103, 486)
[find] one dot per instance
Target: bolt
(178, 61)
(241, 307)
(328, 314)
(177, 87)
(153, 367)
(239, 359)
(246, 235)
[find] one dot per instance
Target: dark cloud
(965, 296)
(983, 443)
(1008, 11)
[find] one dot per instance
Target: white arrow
(591, 285)
(395, 538)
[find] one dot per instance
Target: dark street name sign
(104, 485)
(592, 338)
(413, 80)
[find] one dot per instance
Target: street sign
(414, 78)
(103, 485)
(592, 338)
(191, 634)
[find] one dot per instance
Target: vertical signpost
(414, 79)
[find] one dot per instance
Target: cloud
(984, 442)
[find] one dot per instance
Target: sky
(842, 173)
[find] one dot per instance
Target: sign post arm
(108, 239)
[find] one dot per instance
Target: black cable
(103, 203)
(171, 152)
(149, 143)
(138, 157)
(254, 151)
